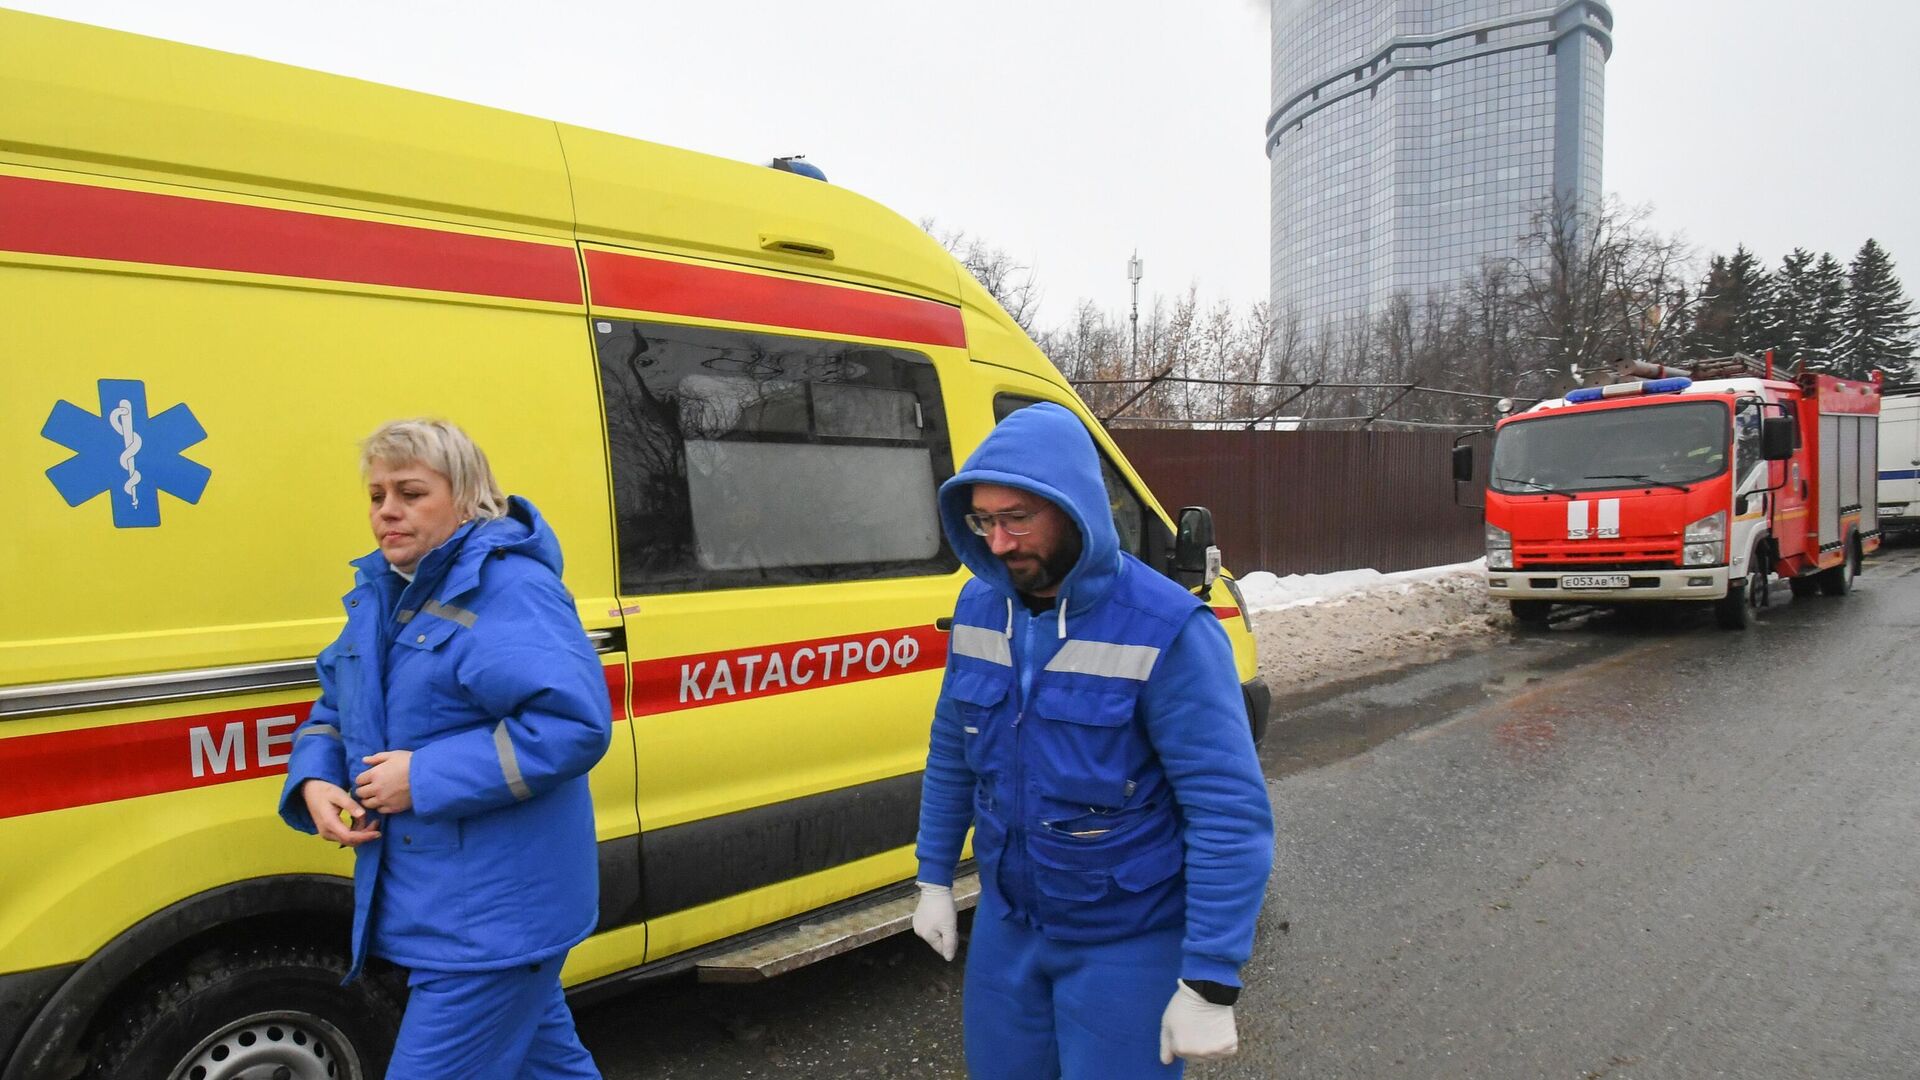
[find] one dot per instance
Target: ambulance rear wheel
(1531, 614)
(269, 1010)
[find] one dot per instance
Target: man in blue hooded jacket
(1092, 732)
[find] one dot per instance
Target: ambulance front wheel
(267, 1010)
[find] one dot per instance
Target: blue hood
(454, 567)
(1046, 450)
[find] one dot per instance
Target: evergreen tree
(1826, 310)
(1734, 306)
(1788, 314)
(1878, 327)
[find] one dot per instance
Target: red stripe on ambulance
(702, 292)
(673, 683)
(125, 761)
(46, 217)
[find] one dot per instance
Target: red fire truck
(1689, 487)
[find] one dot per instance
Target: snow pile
(1265, 592)
(1317, 628)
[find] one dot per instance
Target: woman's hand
(386, 786)
(325, 803)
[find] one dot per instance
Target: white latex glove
(936, 921)
(1196, 1029)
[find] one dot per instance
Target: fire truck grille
(1586, 555)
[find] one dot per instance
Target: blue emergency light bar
(1628, 389)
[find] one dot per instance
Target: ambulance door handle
(790, 245)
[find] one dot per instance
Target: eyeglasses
(1015, 522)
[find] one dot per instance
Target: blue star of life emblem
(124, 452)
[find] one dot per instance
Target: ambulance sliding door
(781, 571)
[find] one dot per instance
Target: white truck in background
(1899, 487)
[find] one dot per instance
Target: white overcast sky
(1070, 132)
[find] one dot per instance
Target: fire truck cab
(1672, 489)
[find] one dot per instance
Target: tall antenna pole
(1134, 271)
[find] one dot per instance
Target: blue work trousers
(1037, 1009)
(511, 1024)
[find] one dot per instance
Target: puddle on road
(1319, 727)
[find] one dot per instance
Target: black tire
(1804, 587)
(1738, 609)
(1838, 580)
(253, 1008)
(1531, 614)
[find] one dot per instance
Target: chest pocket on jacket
(1091, 750)
(977, 696)
(426, 632)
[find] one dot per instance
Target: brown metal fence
(1311, 502)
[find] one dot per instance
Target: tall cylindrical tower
(1411, 139)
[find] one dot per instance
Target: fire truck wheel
(267, 1010)
(1736, 610)
(1803, 587)
(1531, 614)
(1838, 580)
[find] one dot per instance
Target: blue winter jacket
(1101, 749)
(480, 667)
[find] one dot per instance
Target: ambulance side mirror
(1463, 464)
(1194, 552)
(1776, 438)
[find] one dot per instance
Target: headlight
(1706, 541)
(1499, 548)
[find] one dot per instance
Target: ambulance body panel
(731, 391)
(141, 108)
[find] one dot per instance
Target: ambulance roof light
(1628, 389)
(798, 165)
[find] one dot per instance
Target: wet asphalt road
(1624, 848)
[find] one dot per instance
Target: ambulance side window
(1129, 513)
(745, 459)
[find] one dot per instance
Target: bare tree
(1594, 283)
(1009, 281)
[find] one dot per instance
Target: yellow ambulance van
(731, 390)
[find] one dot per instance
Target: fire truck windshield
(1664, 445)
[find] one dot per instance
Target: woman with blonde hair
(459, 712)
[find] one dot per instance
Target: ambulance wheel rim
(273, 1046)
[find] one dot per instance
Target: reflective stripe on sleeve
(1106, 659)
(981, 644)
(327, 730)
(510, 763)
